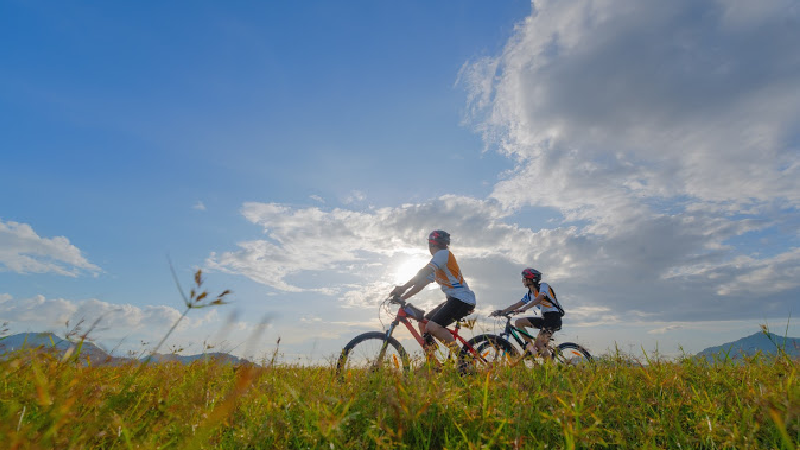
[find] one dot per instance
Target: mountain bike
(379, 350)
(566, 353)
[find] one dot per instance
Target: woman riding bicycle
(443, 269)
(548, 322)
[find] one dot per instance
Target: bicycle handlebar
(508, 314)
(396, 300)
(411, 310)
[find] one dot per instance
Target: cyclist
(548, 322)
(444, 270)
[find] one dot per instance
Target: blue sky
(644, 157)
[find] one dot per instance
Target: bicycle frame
(566, 352)
(404, 318)
(512, 331)
(481, 350)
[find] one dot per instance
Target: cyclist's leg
(551, 322)
(421, 327)
(428, 316)
(523, 322)
(430, 342)
(529, 322)
(453, 309)
(545, 334)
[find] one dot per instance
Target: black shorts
(550, 323)
(450, 311)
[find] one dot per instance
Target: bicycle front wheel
(373, 351)
(571, 354)
(489, 351)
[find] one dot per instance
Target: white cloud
(663, 137)
(659, 270)
(355, 196)
(648, 126)
(199, 206)
(317, 198)
(24, 251)
(44, 313)
(664, 330)
(51, 312)
(109, 323)
(315, 240)
(611, 103)
(760, 279)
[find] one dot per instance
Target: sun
(408, 268)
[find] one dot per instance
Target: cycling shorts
(449, 311)
(549, 322)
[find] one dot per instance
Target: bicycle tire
(363, 350)
(494, 351)
(572, 354)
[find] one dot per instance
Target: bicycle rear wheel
(490, 351)
(571, 354)
(373, 351)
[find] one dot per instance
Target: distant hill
(50, 342)
(223, 358)
(767, 344)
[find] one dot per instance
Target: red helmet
(439, 238)
(532, 274)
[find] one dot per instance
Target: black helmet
(532, 274)
(439, 238)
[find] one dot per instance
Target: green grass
(49, 403)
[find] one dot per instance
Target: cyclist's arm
(420, 280)
(414, 289)
(536, 301)
(512, 307)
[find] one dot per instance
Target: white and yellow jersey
(547, 305)
(448, 275)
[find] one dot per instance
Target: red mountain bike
(379, 350)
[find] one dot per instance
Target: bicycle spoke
(572, 354)
(373, 351)
(490, 352)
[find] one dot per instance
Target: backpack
(555, 300)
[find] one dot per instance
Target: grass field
(49, 403)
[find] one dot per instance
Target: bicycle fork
(389, 332)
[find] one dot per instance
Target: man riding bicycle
(443, 269)
(548, 322)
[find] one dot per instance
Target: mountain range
(91, 353)
(766, 343)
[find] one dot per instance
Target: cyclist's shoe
(529, 351)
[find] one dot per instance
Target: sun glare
(408, 268)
